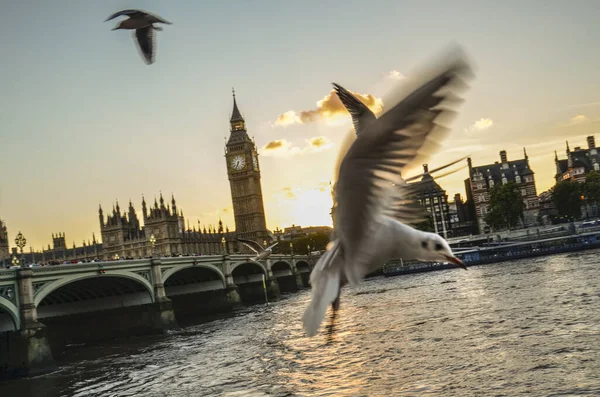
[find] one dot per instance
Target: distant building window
(528, 178)
(518, 178)
(491, 183)
(504, 180)
(523, 192)
(596, 167)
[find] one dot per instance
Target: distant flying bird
(261, 252)
(372, 215)
(143, 24)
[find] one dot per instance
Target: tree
(591, 187)
(506, 206)
(317, 241)
(566, 196)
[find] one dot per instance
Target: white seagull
(373, 212)
(143, 24)
(261, 252)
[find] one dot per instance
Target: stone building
(123, 236)
(435, 200)
(579, 162)
(462, 223)
(484, 177)
(243, 171)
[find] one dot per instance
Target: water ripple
(529, 327)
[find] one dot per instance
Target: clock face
(255, 162)
(238, 162)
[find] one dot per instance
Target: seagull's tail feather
(325, 282)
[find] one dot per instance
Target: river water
(529, 327)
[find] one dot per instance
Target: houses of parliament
(165, 231)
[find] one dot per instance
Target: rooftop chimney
(503, 158)
(591, 142)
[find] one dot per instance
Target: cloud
(330, 108)
(580, 118)
(285, 148)
(319, 143)
(275, 145)
(395, 75)
(288, 118)
(480, 125)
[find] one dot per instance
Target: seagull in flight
(261, 253)
(143, 24)
(374, 213)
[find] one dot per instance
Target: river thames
(529, 327)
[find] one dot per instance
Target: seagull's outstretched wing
(253, 245)
(138, 14)
(130, 13)
(361, 114)
(146, 39)
(272, 245)
(371, 169)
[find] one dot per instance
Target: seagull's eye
(438, 247)
(424, 244)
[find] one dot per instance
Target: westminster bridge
(44, 308)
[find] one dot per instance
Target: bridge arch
(246, 266)
(177, 269)
(52, 286)
(281, 265)
(9, 308)
(302, 265)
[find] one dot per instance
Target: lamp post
(152, 242)
(15, 261)
(20, 241)
(116, 257)
(292, 248)
(307, 249)
(223, 243)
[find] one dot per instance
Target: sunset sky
(85, 121)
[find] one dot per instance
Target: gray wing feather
(146, 43)
(138, 14)
(253, 245)
(361, 114)
(371, 169)
(130, 13)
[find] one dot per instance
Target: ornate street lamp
(223, 242)
(116, 257)
(15, 261)
(20, 241)
(152, 242)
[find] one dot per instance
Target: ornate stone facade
(484, 177)
(243, 170)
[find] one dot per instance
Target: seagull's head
(432, 247)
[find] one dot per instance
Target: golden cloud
(273, 145)
(329, 108)
(284, 148)
(480, 125)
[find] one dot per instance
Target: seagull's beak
(456, 261)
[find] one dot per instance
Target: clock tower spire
(244, 179)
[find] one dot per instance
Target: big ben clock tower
(244, 179)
